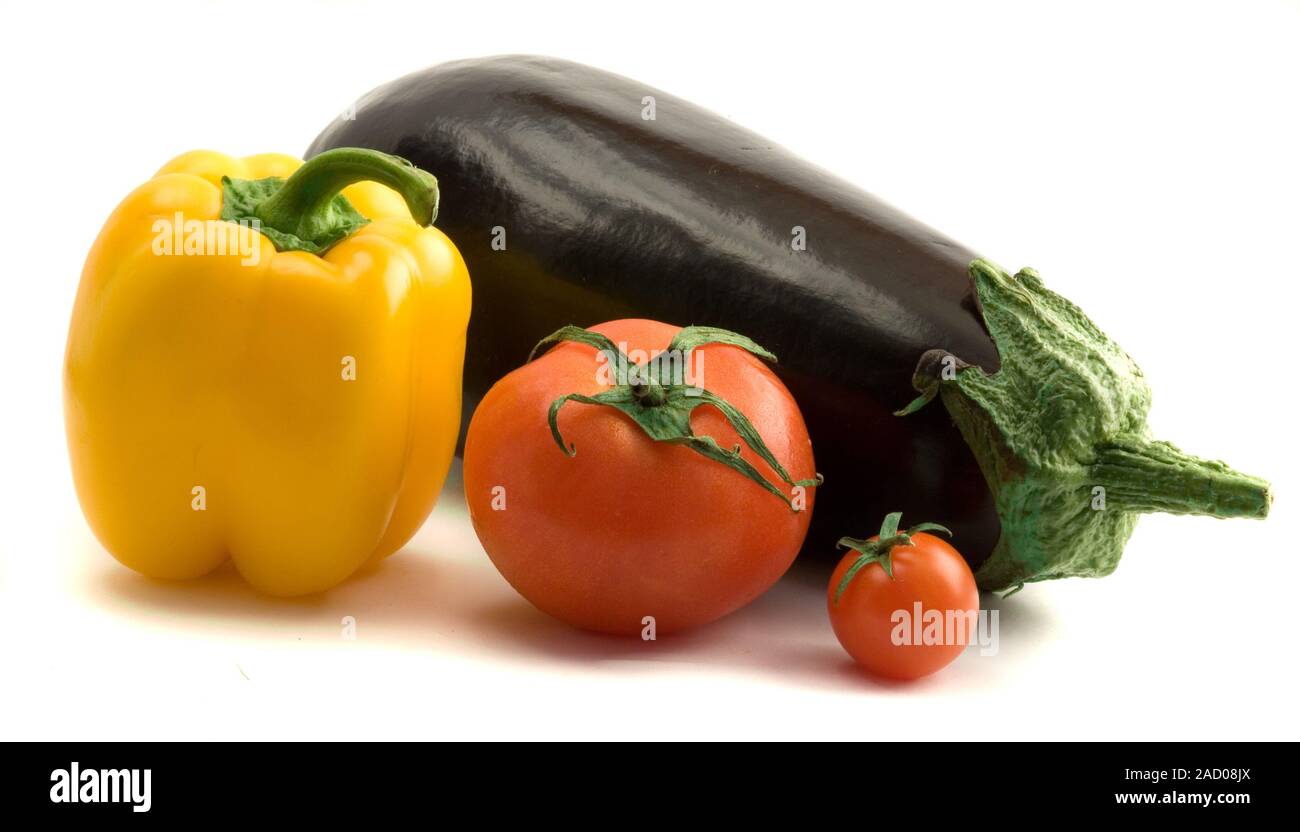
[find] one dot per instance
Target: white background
(1144, 157)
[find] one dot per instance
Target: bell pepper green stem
(302, 205)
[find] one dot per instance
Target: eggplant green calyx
(307, 212)
(1060, 433)
(658, 398)
(880, 549)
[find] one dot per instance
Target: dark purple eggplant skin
(688, 219)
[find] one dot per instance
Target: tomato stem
(880, 549)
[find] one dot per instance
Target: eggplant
(578, 196)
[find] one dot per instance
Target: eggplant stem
(1148, 476)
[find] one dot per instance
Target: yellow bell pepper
(254, 371)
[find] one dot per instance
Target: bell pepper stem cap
(307, 211)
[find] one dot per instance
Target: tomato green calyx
(659, 402)
(881, 548)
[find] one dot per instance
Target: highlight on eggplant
(570, 207)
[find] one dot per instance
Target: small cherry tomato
(903, 603)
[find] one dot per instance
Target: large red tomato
(631, 531)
